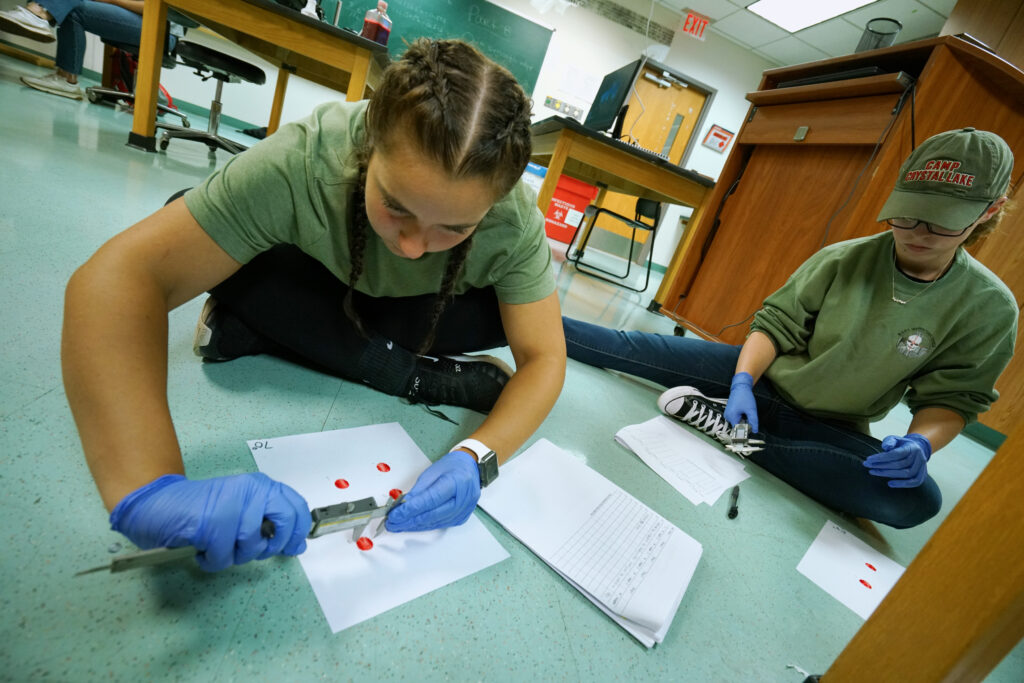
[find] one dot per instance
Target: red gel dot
(870, 566)
(862, 580)
(395, 493)
(341, 483)
(364, 543)
(383, 467)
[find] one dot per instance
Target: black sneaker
(473, 382)
(688, 405)
(220, 336)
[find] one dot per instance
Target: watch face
(488, 468)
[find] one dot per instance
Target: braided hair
(462, 111)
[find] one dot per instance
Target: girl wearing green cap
(903, 314)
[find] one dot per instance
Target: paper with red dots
(355, 579)
(849, 569)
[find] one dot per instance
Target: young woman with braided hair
(374, 240)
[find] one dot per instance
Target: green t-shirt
(296, 187)
(847, 351)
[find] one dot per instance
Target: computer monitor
(609, 105)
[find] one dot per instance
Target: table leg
(357, 82)
(147, 77)
(590, 224)
(555, 166)
(278, 103)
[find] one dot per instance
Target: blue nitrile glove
(902, 460)
(741, 401)
(221, 517)
(444, 495)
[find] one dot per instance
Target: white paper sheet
(351, 584)
(849, 570)
(622, 555)
(693, 467)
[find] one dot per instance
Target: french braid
(462, 111)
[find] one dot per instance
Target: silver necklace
(903, 302)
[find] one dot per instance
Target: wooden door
(657, 116)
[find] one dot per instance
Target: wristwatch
(486, 459)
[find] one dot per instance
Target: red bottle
(377, 24)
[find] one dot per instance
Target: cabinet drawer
(849, 121)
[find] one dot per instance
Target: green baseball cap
(951, 178)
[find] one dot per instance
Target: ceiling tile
(792, 50)
(834, 37)
(919, 21)
(712, 9)
(767, 57)
(748, 28)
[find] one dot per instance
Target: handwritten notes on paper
(693, 467)
(355, 582)
(624, 557)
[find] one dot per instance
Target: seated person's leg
(286, 303)
(825, 461)
(821, 459)
(75, 18)
(668, 360)
(110, 22)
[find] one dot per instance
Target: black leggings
(295, 303)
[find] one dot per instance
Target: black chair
(210, 63)
(645, 208)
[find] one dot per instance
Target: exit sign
(694, 24)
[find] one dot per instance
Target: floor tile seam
(4, 417)
(569, 639)
(334, 402)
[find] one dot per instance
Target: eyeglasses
(912, 223)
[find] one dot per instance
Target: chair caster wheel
(163, 144)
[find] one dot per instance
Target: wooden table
(565, 146)
(309, 48)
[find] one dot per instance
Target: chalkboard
(515, 42)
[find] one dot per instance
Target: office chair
(98, 94)
(645, 208)
(210, 63)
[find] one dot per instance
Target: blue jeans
(821, 458)
(76, 17)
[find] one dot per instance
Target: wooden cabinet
(813, 164)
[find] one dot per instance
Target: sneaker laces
(431, 409)
(708, 420)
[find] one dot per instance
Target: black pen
(733, 499)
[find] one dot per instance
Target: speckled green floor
(68, 183)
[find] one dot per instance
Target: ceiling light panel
(794, 15)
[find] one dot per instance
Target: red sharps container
(377, 24)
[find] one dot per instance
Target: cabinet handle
(801, 133)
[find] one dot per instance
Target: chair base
(209, 136)
(212, 141)
(97, 94)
